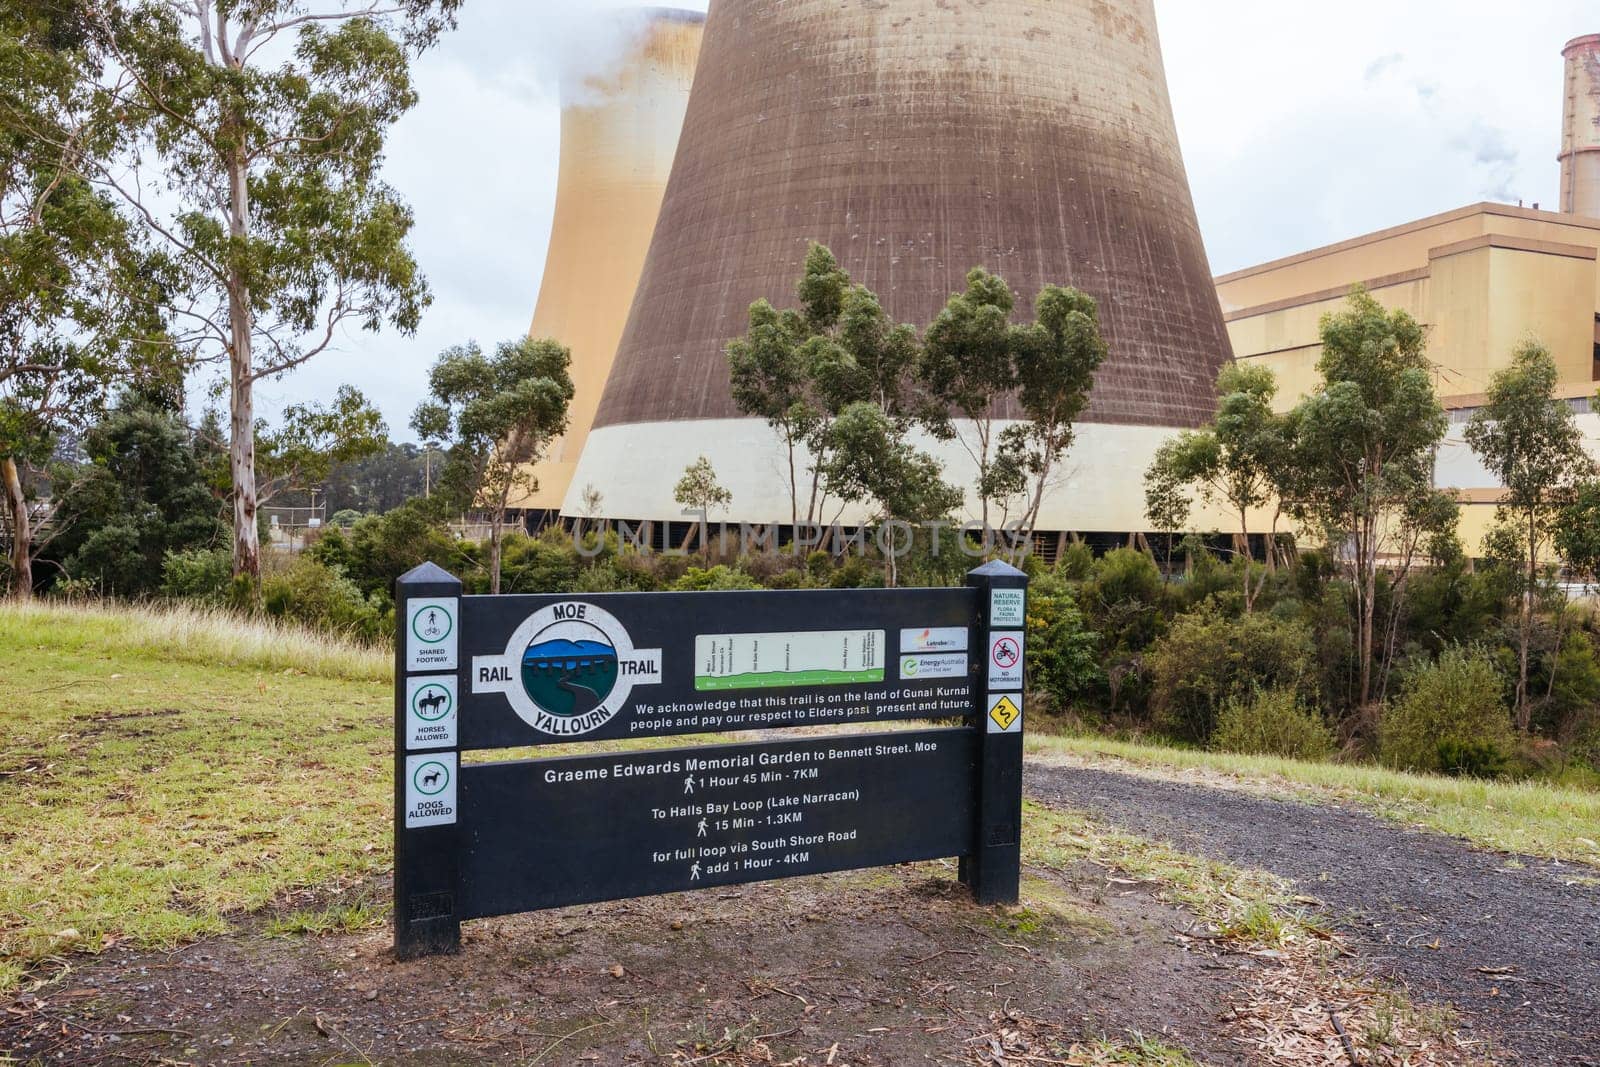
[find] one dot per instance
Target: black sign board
(477, 673)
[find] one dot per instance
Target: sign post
(994, 869)
(427, 836)
(478, 673)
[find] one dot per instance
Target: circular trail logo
(568, 669)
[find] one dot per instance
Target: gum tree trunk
(242, 443)
(21, 532)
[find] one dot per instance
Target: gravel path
(1427, 910)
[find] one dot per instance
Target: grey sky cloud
(1382, 64)
(1301, 125)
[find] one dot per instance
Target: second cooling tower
(619, 131)
(917, 140)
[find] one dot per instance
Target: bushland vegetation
(1365, 630)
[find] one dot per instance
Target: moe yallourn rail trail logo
(568, 669)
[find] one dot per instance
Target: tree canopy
(496, 414)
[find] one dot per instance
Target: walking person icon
(694, 871)
(688, 785)
(702, 828)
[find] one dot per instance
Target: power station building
(1483, 279)
(920, 140)
(917, 141)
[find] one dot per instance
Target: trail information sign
(475, 673)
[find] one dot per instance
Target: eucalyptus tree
(769, 380)
(496, 415)
(969, 365)
(79, 294)
(259, 129)
(1365, 443)
(1578, 531)
(1055, 358)
(700, 493)
(312, 438)
(1239, 461)
(1529, 439)
(801, 368)
(871, 463)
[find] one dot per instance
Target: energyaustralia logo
(568, 669)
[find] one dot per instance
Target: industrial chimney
(917, 140)
(618, 136)
(1580, 128)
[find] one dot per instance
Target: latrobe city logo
(568, 669)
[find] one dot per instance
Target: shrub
(1472, 759)
(608, 576)
(856, 572)
(1076, 562)
(142, 493)
(380, 548)
(1125, 574)
(1574, 691)
(313, 593)
(1273, 722)
(1450, 718)
(545, 564)
(1122, 598)
(701, 579)
(1063, 653)
(202, 574)
(1206, 660)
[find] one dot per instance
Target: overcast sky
(1302, 124)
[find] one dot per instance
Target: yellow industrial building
(1483, 279)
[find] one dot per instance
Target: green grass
(162, 771)
(184, 634)
(1240, 904)
(1534, 818)
(336, 919)
(1139, 1051)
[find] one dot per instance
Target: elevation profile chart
(917, 141)
(769, 661)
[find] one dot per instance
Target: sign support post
(994, 870)
(427, 839)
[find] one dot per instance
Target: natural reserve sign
(475, 839)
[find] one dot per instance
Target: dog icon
(430, 778)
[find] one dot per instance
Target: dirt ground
(887, 967)
(1512, 943)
